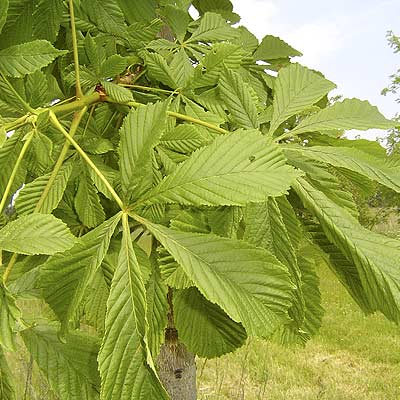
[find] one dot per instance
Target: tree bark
(176, 365)
(177, 368)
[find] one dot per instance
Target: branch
(79, 93)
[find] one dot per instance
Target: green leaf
(36, 234)
(296, 89)
(87, 203)
(64, 278)
(70, 367)
(3, 13)
(272, 48)
(158, 69)
(125, 374)
(182, 69)
(157, 310)
(140, 133)
(23, 59)
(7, 383)
(348, 114)
(234, 169)
(106, 15)
(29, 196)
(50, 11)
(352, 159)
(235, 94)
(375, 256)
(117, 93)
(113, 66)
(212, 65)
(212, 27)
(184, 138)
(9, 315)
(204, 327)
(224, 269)
(138, 12)
(177, 19)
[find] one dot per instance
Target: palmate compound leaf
(7, 384)
(70, 367)
(23, 59)
(29, 196)
(375, 256)
(36, 234)
(65, 277)
(204, 327)
(371, 167)
(296, 89)
(140, 132)
(125, 363)
(247, 282)
(234, 169)
(347, 114)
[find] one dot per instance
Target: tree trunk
(176, 365)
(177, 368)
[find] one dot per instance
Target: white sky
(344, 39)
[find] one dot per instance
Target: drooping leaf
(36, 234)
(140, 133)
(272, 48)
(51, 12)
(117, 93)
(9, 315)
(23, 59)
(65, 277)
(235, 94)
(159, 69)
(182, 69)
(204, 327)
(70, 367)
(124, 362)
(347, 114)
(7, 384)
(235, 169)
(352, 159)
(223, 270)
(296, 88)
(138, 12)
(375, 256)
(29, 196)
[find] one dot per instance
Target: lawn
(353, 357)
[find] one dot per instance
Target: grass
(353, 357)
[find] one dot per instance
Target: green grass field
(353, 357)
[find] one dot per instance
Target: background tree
(176, 199)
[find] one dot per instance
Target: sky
(344, 39)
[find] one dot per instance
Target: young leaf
(36, 234)
(140, 132)
(65, 277)
(235, 94)
(235, 169)
(23, 59)
(348, 114)
(9, 314)
(204, 327)
(296, 88)
(125, 374)
(70, 367)
(224, 269)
